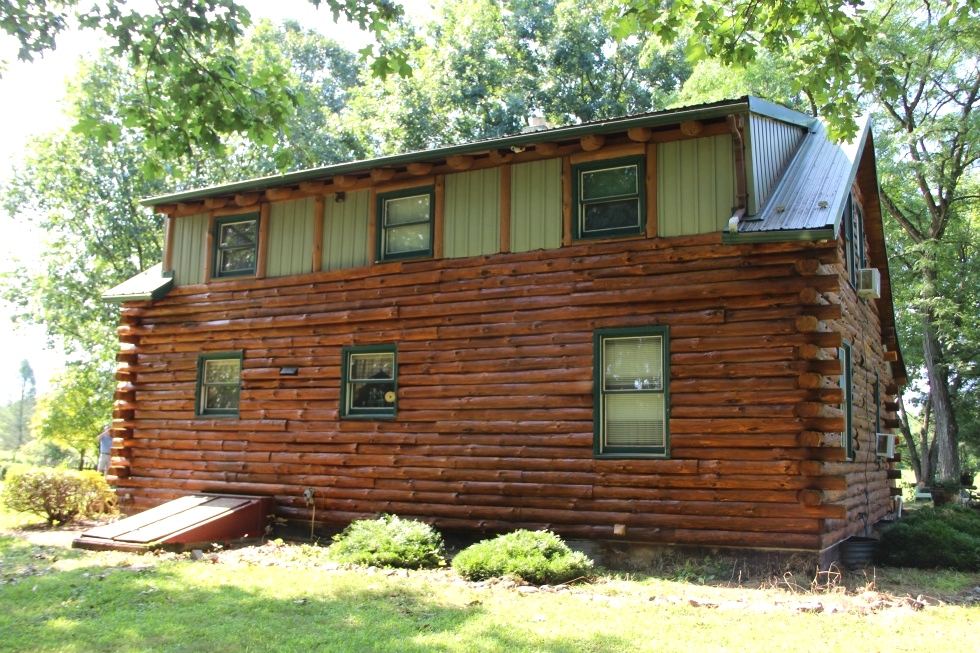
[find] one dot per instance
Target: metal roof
(152, 283)
(655, 119)
(809, 199)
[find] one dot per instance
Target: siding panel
(472, 220)
(189, 257)
(290, 238)
(773, 146)
(696, 185)
(345, 231)
(535, 201)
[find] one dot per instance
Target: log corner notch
(123, 412)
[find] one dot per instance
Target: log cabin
(669, 329)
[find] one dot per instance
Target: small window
(218, 384)
(405, 221)
(609, 198)
(631, 393)
(236, 245)
(846, 386)
(370, 382)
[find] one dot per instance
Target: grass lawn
(287, 598)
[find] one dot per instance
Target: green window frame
(369, 382)
(609, 198)
(406, 220)
(219, 382)
(632, 393)
(236, 246)
(847, 405)
(877, 404)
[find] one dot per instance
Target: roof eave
(716, 110)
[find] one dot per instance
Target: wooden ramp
(190, 522)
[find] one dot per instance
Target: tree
(825, 43)
(194, 88)
(928, 106)
(484, 66)
(77, 408)
(17, 414)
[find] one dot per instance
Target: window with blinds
(631, 398)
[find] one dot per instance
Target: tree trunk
(917, 451)
(946, 427)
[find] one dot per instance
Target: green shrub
(389, 542)
(946, 537)
(58, 495)
(533, 556)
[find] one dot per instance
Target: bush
(533, 556)
(946, 537)
(389, 542)
(58, 495)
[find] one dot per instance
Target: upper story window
(853, 226)
(631, 392)
(405, 220)
(369, 384)
(236, 245)
(609, 198)
(218, 384)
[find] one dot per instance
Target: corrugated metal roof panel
(814, 188)
(152, 283)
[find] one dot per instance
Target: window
(236, 245)
(631, 392)
(846, 386)
(877, 403)
(608, 198)
(369, 384)
(405, 220)
(218, 384)
(853, 225)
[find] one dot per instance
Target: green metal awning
(149, 285)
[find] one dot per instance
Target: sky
(30, 96)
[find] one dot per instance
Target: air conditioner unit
(869, 283)
(885, 445)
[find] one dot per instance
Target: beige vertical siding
(189, 255)
(472, 219)
(290, 238)
(772, 145)
(696, 185)
(535, 205)
(345, 231)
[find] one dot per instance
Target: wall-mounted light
(288, 371)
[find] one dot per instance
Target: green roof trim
(658, 119)
(787, 235)
(149, 285)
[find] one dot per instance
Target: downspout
(736, 125)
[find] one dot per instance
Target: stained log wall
(494, 426)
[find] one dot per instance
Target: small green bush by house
(534, 556)
(930, 538)
(389, 542)
(58, 495)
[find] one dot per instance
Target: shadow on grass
(194, 606)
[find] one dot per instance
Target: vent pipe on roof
(733, 221)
